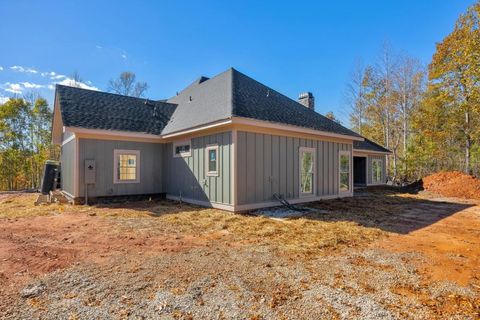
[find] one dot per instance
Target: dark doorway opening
(359, 171)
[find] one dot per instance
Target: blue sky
(289, 46)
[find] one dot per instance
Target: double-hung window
(344, 171)
(126, 166)
(377, 168)
(211, 160)
(307, 171)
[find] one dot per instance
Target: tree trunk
(468, 143)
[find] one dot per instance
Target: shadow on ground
(387, 209)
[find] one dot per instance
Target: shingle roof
(251, 99)
(232, 93)
(100, 110)
(201, 103)
(229, 94)
(369, 145)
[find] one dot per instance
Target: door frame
(366, 168)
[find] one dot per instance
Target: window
(182, 148)
(307, 171)
(212, 160)
(126, 166)
(377, 168)
(344, 169)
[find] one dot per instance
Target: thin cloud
(3, 99)
(124, 56)
(72, 83)
(29, 85)
(15, 88)
(51, 87)
(23, 69)
(53, 75)
(99, 47)
(1, 68)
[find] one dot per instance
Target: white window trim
(314, 191)
(215, 173)
(182, 143)
(380, 161)
(116, 153)
(349, 154)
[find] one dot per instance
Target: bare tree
(76, 80)
(409, 84)
(356, 97)
(127, 85)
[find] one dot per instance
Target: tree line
(427, 116)
(25, 133)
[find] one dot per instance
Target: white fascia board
(288, 127)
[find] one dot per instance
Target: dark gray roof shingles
(229, 94)
(100, 110)
(251, 99)
(369, 145)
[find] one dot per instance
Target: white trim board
(221, 206)
(119, 135)
(364, 151)
(198, 128)
(288, 127)
(68, 139)
(253, 206)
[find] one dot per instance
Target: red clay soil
(33, 246)
(453, 184)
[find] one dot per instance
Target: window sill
(126, 182)
(212, 174)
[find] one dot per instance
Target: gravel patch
(240, 283)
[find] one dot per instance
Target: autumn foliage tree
(25, 141)
(452, 102)
(428, 126)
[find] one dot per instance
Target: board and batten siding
(185, 176)
(102, 152)
(67, 163)
(369, 167)
(268, 164)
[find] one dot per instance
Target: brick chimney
(307, 100)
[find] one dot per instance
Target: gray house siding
(269, 164)
(369, 167)
(102, 152)
(67, 162)
(185, 176)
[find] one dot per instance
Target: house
(227, 142)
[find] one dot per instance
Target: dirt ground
(379, 255)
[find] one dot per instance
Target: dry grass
(305, 235)
(21, 205)
(301, 235)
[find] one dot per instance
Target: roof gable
(202, 102)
